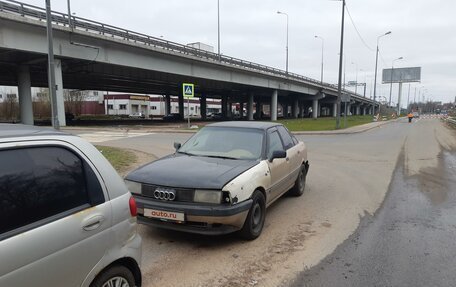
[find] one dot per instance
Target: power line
(357, 31)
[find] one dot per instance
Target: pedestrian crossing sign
(189, 90)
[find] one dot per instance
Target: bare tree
(74, 100)
(42, 104)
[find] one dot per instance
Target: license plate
(167, 215)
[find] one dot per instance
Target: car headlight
(207, 196)
(133, 186)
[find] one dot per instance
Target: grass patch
(323, 124)
(120, 159)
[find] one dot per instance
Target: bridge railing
(82, 24)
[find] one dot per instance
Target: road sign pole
(188, 112)
(188, 92)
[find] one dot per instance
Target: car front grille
(182, 194)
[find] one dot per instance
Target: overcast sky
(423, 32)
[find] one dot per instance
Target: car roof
(20, 130)
(245, 124)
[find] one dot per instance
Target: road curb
(345, 132)
(145, 130)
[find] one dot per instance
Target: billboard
(401, 75)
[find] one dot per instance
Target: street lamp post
(375, 77)
(278, 12)
(322, 55)
(391, 79)
(356, 79)
(218, 30)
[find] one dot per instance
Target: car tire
(300, 183)
(254, 222)
(115, 276)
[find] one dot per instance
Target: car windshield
(232, 143)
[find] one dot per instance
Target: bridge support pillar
(319, 110)
(167, 105)
(250, 108)
(25, 95)
(301, 109)
(229, 109)
(315, 109)
(296, 109)
(364, 111)
(241, 109)
(59, 92)
(180, 101)
(224, 106)
(203, 107)
(259, 108)
(334, 112)
(274, 105)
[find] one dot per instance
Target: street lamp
(391, 79)
(278, 12)
(356, 80)
(322, 53)
(218, 30)
(375, 77)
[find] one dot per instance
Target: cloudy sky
(423, 33)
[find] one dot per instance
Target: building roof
(245, 124)
(19, 130)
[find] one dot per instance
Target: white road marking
(103, 136)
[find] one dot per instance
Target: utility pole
(339, 85)
(51, 67)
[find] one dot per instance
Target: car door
(58, 220)
(278, 168)
(293, 154)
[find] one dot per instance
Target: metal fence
(82, 24)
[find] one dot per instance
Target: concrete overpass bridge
(96, 56)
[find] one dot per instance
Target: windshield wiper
(187, 153)
(220, 156)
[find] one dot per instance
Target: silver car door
(60, 234)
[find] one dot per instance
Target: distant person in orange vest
(410, 117)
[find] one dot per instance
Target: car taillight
(133, 208)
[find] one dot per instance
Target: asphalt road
(411, 239)
(349, 177)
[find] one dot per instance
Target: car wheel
(254, 222)
(115, 276)
(300, 183)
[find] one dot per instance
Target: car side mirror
(277, 154)
(177, 146)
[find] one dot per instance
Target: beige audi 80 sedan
(222, 179)
(66, 216)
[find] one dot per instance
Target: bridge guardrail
(82, 24)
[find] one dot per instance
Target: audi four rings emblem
(164, 194)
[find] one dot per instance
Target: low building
(158, 106)
(127, 104)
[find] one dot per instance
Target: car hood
(184, 171)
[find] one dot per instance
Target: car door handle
(93, 223)
(287, 158)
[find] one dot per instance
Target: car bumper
(201, 219)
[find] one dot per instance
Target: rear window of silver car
(41, 182)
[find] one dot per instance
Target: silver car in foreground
(67, 218)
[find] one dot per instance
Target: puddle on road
(437, 182)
